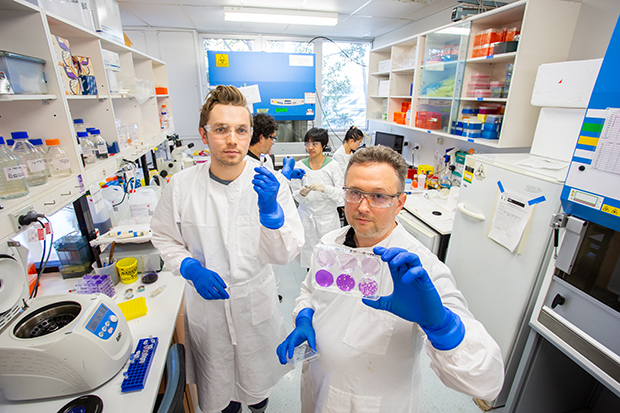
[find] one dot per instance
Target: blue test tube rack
(139, 365)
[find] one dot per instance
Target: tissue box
(70, 81)
(62, 51)
(84, 65)
(111, 60)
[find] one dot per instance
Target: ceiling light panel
(280, 16)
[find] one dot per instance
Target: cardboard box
(89, 85)
(384, 65)
(384, 88)
(62, 51)
(84, 65)
(111, 61)
(70, 81)
(107, 18)
(113, 85)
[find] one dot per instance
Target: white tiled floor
(437, 398)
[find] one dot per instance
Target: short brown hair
(264, 124)
(224, 95)
(381, 154)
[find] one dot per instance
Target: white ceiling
(356, 18)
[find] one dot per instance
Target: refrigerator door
(424, 234)
(496, 282)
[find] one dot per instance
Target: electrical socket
(15, 217)
(416, 146)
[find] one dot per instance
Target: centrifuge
(55, 345)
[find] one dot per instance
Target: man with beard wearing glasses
(370, 350)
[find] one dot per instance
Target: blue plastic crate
(139, 365)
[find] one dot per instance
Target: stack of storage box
(403, 117)
(428, 120)
(495, 41)
(479, 86)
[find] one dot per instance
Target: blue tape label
(501, 187)
(536, 200)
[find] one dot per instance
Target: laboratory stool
(172, 399)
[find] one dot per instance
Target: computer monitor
(390, 140)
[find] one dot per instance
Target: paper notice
(511, 215)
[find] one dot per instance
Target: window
(285, 46)
(344, 87)
(226, 45)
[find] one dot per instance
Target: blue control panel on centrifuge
(103, 323)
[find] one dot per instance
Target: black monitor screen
(390, 140)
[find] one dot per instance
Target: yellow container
(127, 270)
(425, 169)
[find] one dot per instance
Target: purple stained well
(325, 258)
(347, 262)
(345, 282)
(368, 287)
(371, 266)
(324, 278)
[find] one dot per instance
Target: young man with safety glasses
(370, 350)
(220, 225)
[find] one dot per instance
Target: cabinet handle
(47, 203)
(461, 207)
(66, 194)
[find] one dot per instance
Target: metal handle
(461, 207)
(47, 203)
(66, 194)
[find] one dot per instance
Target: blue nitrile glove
(206, 282)
(266, 186)
(298, 173)
(288, 164)
(415, 299)
(303, 331)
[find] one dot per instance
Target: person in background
(318, 193)
(263, 138)
(219, 225)
(370, 350)
(352, 140)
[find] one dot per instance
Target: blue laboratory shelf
(139, 365)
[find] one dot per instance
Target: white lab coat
(318, 210)
(268, 161)
(369, 359)
(342, 158)
(230, 343)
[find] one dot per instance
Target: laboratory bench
(160, 321)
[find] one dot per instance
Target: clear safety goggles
(222, 131)
(310, 144)
(375, 199)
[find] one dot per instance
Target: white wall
(179, 50)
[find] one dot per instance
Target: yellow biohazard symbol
(221, 60)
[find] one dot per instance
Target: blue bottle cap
(78, 120)
(94, 131)
(89, 129)
(82, 134)
(36, 142)
(1, 140)
(19, 135)
(10, 142)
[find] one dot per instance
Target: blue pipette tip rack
(139, 365)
